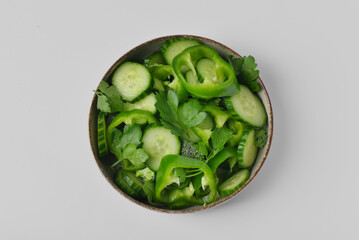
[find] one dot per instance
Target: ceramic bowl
(140, 52)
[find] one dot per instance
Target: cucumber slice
(206, 70)
(233, 183)
(101, 135)
(159, 142)
(247, 107)
(129, 183)
(146, 103)
(174, 46)
(191, 78)
(154, 60)
(247, 149)
(132, 80)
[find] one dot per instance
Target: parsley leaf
(109, 99)
(131, 135)
(190, 113)
(168, 112)
(136, 156)
(261, 137)
(126, 144)
(245, 70)
(219, 138)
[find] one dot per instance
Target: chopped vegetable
(184, 127)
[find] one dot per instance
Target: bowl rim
(221, 200)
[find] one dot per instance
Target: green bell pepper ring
(135, 116)
(162, 74)
(223, 84)
(222, 156)
(177, 198)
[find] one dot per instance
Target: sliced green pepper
(182, 197)
(135, 116)
(222, 82)
(222, 156)
(220, 116)
(162, 75)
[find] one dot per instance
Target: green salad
(183, 126)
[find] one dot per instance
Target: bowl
(140, 52)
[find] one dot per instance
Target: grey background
(54, 53)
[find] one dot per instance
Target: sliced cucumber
(129, 183)
(191, 78)
(154, 60)
(132, 80)
(159, 142)
(206, 70)
(247, 107)
(174, 46)
(101, 135)
(146, 103)
(233, 183)
(247, 149)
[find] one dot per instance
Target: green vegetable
(127, 144)
(129, 183)
(219, 138)
(108, 98)
(101, 135)
(184, 126)
(114, 136)
(220, 116)
(247, 107)
(167, 107)
(149, 190)
(154, 60)
(146, 174)
(234, 183)
(159, 142)
(146, 103)
(223, 84)
(177, 198)
(191, 115)
(189, 150)
(174, 46)
(132, 80)
(165, 78)
(247, 149)
(245, 69)
(261, 137)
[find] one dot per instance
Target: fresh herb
(190, 113)
(261, 137)
(127, 143)
(146, 174)
(109, 99)
(131, 135)
(245, 70)
(219, 138)
(136, 156)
